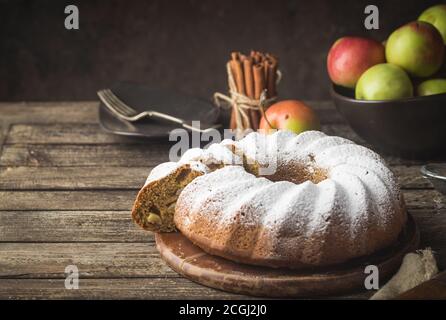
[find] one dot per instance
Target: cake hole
(299, 173)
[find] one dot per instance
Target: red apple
(290, 115)
(349, 57)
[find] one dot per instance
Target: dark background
(181, 45)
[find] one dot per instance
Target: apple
(417, 47)
(292, 115)
(436, 15)
(431, 86)
(384, 81)
(349, 57)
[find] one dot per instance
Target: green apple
(436, 16)
(417, 47)
(432, 86)
(384, 81)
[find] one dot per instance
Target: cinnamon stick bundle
(253, 74)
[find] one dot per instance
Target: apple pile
(414, 55)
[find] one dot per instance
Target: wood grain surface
(66, 189)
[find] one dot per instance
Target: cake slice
(154, 206)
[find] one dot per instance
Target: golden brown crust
(255, 247)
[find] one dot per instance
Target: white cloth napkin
(415, 269)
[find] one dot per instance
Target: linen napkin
(415, 269)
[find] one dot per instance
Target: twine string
(242, 103)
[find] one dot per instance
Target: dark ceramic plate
(412, 128)
(436, 173)
(143, 98)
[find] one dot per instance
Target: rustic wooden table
(66, 189)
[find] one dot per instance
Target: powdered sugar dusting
(357, 200)
(161, 170)
(193, 154)
(218, 153)
(164, 169)
(320, 145)
(378, 191)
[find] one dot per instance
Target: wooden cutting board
(212, 271)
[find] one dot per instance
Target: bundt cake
(279, 200)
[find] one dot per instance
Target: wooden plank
(138, 155)
(50, 112)
(81, 178)
(117, 226)
(69, 133)
(91, 134)
(107, 262)
(410, 177)
(4, 128)
(72, 178)
(67, 200)
(43, 124)
(93, 260)
(115, 260)
(424, 199)
(70, 226)
(78, 133)
(123, 200)
(133, 288)
(87, 112)
(55, 255)
(84, 155)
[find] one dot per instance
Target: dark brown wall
(175, 44)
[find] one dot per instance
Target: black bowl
(413, 128)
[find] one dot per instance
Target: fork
(125, 112)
